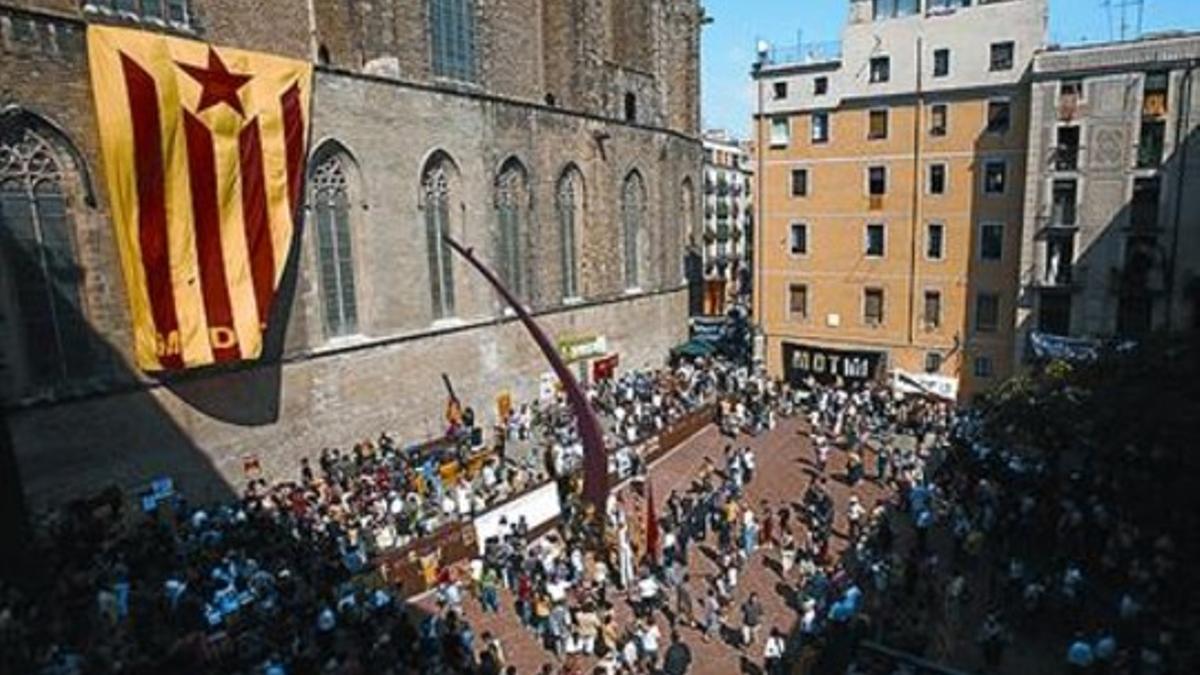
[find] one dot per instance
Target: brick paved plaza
(785, 465)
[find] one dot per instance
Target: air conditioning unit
(833, 320)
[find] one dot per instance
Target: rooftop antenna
(1123, 9)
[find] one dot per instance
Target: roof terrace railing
(802, 53)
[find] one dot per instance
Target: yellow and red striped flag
(204, 152)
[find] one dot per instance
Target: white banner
(925, 383)
(538, 507)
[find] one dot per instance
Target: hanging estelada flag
(204, 151)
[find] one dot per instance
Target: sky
(729, 41)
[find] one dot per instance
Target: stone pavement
(785, 464)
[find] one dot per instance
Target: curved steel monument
(595, 458)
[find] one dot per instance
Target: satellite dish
(763, 47)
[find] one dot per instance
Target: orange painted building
(891, 189)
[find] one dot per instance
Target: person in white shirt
(624, 555)
(629, 653)
(649, 636)
(773, 653)
(648, 594)
(808, 620)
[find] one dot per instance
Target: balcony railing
(803, 53)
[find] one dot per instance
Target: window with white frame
(935, 241)
(880, 69)
(798, 301)
(799, 182)
(941, 62)
(876, 181)
(877, 124)
(798, 240)
(820, 127)
(939, 119)
(876, 240)
(937, 178)
(995, 176)
(873, 306)
(781, 132)
(1002, 54)
(931, 314)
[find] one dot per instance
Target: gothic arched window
(687, 229)
(435, 193)
(633, 204)
(332, 198)
(512, 196)
(42, 327)
(569, 204)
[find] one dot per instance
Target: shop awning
(695, 349)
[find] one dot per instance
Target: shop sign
(801, 361)
(582, 347)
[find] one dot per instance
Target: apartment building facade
(890, 193)
(1109, 248)
(728, 218)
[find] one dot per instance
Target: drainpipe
(1182, 126)
(760, 206)
(918, 185)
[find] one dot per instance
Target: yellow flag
(204, 152)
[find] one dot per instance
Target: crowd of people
(577, 601)
(279, 580)
(947, 538)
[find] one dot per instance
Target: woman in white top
(773, 652)
(787, 554)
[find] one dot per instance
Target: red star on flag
(218, 84)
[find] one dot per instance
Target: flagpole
(595, 457)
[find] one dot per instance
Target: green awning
(695, 349)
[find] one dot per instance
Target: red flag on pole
(651, 523)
